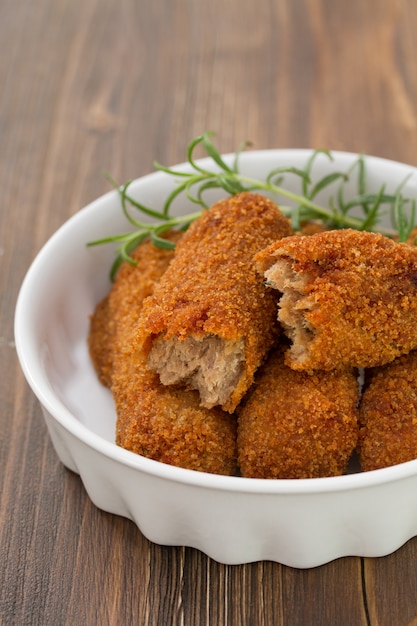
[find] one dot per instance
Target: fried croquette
(388, 414)
(349, 298)
(168, 424)
(210, 323)
(311, 227)
(297, 425)
(165, 424)
(132, 285)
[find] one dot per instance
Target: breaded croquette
(297, 425)
(132, 285)
(210, 322)
(168, 424)
(349, 297)
(311, 227)
(165, 424)
(388, 414)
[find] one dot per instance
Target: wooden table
(88, 86)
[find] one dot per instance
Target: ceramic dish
(301, 523)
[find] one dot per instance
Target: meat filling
(211, 365)
(293, 305)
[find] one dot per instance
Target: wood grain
(89, 86)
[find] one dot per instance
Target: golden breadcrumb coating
(388, 414)
(164, 424)
(212, 300)
(100, 341)
(349, 297)
(297, 425)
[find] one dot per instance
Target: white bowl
(300, 523)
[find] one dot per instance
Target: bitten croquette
(349, 298)
(210, 322)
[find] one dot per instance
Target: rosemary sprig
(196, 182)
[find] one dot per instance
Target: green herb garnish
(194, 184)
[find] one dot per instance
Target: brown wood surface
(88, 86)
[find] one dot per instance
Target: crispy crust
(100, 341)
(297, 425)
(212, 288)
(350, 297)
(388, 414)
